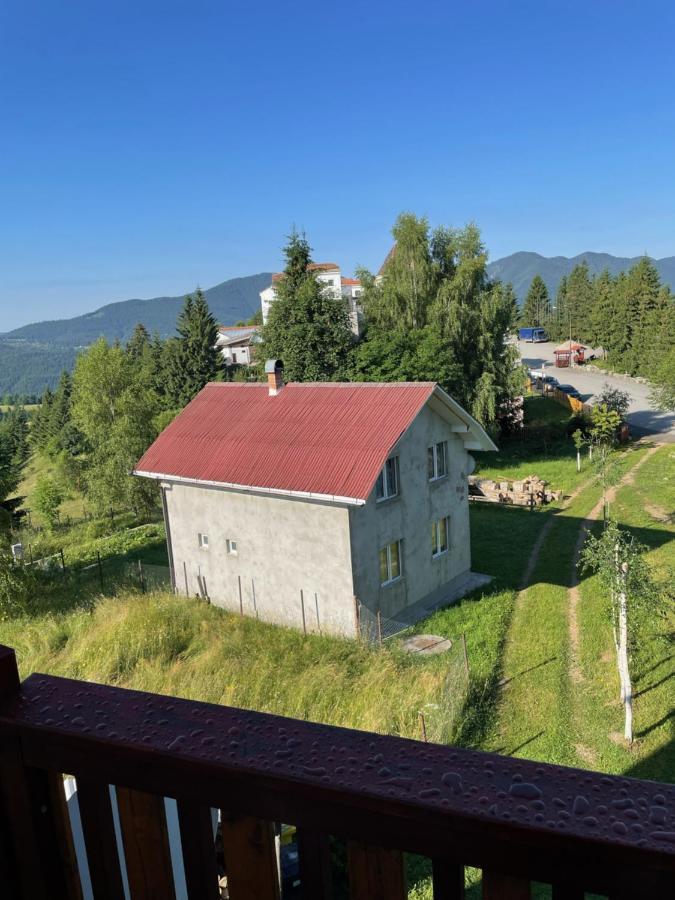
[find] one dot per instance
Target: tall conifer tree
(308, 326)
(536, 310)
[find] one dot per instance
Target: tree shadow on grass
(503, 537)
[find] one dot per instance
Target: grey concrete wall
(408, 517)
(284, 546)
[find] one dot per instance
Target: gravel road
(643, 417)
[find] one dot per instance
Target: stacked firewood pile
(532, 491)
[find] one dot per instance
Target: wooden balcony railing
(518, 821)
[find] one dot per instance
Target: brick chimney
(275, 380)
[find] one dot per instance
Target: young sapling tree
(579, 441)
(632, 598)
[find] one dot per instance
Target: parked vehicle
(545, 384)
(570, 390)
(533, 335)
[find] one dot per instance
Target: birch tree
(633, 599)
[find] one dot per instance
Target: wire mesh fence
(109, 572)
(374, 628)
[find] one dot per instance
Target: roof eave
(476, 436)
(252, 488)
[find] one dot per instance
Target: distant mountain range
(34, 356)
(520, 268)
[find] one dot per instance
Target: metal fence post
(100, 567)
(187, 589)
(241, 599)
(357, 618)
(141, 576)
(255, 604)
(316, 603)
(379, 626)
(302, 604)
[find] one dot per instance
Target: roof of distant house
(312, 267)
(325, 440)
(350, 282)
(388, 258)
(227, 334)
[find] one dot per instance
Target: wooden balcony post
(504, 887)
(146, 845)
(315, 866)
(22, 856)
(375, 873)
(250, 857)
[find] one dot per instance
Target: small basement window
(231, 547)
(437, 461)
(204, 541)
(440, 532)
(391, 563)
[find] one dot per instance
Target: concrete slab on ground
(461, 588)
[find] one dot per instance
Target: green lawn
(548, 453)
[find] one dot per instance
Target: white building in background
(338, 285)
(237, 343)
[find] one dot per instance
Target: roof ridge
(327, 384)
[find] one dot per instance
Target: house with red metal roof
(322, 506)
(336, 284)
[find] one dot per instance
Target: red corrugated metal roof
(329, 439)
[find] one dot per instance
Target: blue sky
(146, 147)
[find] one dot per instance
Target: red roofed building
(329, 274)
(287, 502)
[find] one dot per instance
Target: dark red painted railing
(518, 821)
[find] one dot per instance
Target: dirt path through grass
(541, 672)
(576, 675)
(530, 656)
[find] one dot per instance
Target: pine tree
(645, 302)
(307, 327)
(139, 342)
(536, 310)
(579, 302)
(198, 360)
(559, 325)
(602, 311)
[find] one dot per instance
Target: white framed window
(437, 460)
(203, 541)
(387, 480)
(391, 563)
(231, 547)
(440, 536)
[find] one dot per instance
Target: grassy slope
(37, 467)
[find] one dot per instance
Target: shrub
(47, 498)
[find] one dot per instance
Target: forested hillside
(520, 268)
(33, 357)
